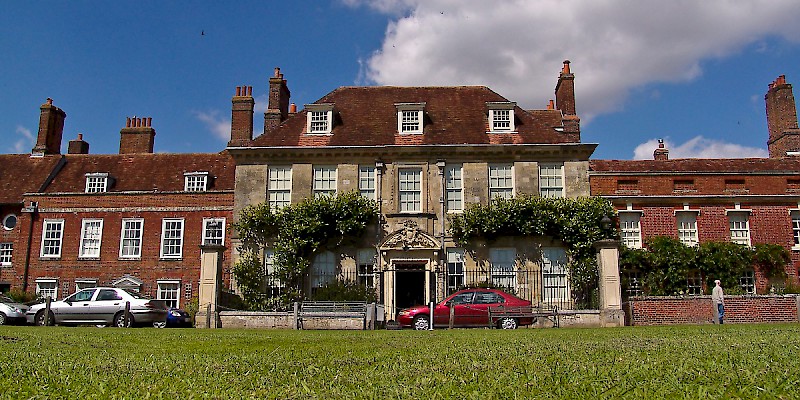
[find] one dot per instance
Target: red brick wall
(112, 208)
(700, 310)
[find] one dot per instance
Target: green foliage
(772, 259)
(576, 222)
(295, 233)
(21, 297)
(664, 265)
(345, 290)
(732, 361)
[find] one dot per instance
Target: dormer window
(195, 181)
(501, 116)
(410, 117)
(96, 182)
(320, 118)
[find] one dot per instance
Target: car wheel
(2, 319)
(40, 319)
(421, 323)
(159, 324)
(119, 320)
(507, 323)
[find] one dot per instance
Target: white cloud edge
(699, 147)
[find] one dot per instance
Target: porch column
(210, 286)
(611, 313)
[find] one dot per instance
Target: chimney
(565, 101)
(137, 136)
(784, 136)
(51, 128)
(78, 146)
(242, 117)
(661, 153)
(278, 108)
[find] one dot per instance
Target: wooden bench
(532, 312)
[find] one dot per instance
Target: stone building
(133, 220)
(422, 153)
(743, 200)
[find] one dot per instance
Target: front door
(409, 285)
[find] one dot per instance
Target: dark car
(176, 318)
(470, 309)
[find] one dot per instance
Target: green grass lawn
(745, 361)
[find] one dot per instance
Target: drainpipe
(443, 207)
(32, 210)
(378, 185)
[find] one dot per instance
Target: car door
(75, 308)
(106, 304)
(479, 312)
(460, 303)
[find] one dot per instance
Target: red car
(471, 308)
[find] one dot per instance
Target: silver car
(11, 311)
(100, 306)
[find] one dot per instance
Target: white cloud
(698, 147)
(219, 126)
(25, 143)
(516, 47)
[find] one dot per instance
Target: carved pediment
(410, 236)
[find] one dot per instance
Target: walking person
(718, 297)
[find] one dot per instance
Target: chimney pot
(277, 72)
(292, 108)
(565, 70)
(250, 91)
(238, 90)
(80, 136)
(149, 121)
(49, 101)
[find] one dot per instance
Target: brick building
(133, 220)
(421, 153)
(747, 201)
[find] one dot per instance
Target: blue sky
(694, 73)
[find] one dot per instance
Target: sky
(693, 73)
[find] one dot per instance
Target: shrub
(345, 290)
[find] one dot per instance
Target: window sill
(496, 132)
(49, 258)
(93, 258)
(411, 214)
(171, 259)
(795, 248)
(129, 259)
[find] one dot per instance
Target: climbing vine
(578, 223)
(295, 233)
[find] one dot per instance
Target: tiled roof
(367, 116)
(702, 165)
(149, 172)
(21, 173)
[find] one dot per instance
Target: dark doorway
(4, 287)
(409, 285)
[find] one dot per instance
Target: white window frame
(366, 262)
(503, 271)
(319, 119)
(81, 284)
(279, 186)
(630, 227)
(91, 238)
(207, 233)
(501, 181)
(456, 270)
(410, 118)
(43, 291)
(172, 241)
(96, 182)
(367, 182)
(324, 180)
(195, 181)
(54, 228)
(794, 214)
(6, 253)
(686, 221)
(133, 242)
(454, 187)
(551, 180)
(169, 290)
(409, 190)
(501, 117)
(555, 277)
(739, 226)
(6, 222)
(323, 269)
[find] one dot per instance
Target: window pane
(687, 228)
(214, 231)
(500, 181)
(6, 250)
(51, 238)
(172, 238)
(280, 186)
(410, 190)
(169, 292)
(503, 272)
(455, 270)
(131, 244)
(324, 181)
(630, 230)
(554, 276)
(454, 188)
(91, 236)
(323, 270)
(366, 181)
(551, 182)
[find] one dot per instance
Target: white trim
(10, 255)
(322, 169)
(420, 191)
(6, 218)
(96, 177)
(272, 171)
(140, 238)
(195, 187)
(47, 280)
(311, 110)
(448, 169)
(164, 222)
(419, 109)
(506, 107)
(560, 169)
(176, 282)
(489, 183)
(82, 253)
(204, 237)
(60, 223)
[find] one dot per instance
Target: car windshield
(6, 299)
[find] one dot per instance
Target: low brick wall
(671, 310)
